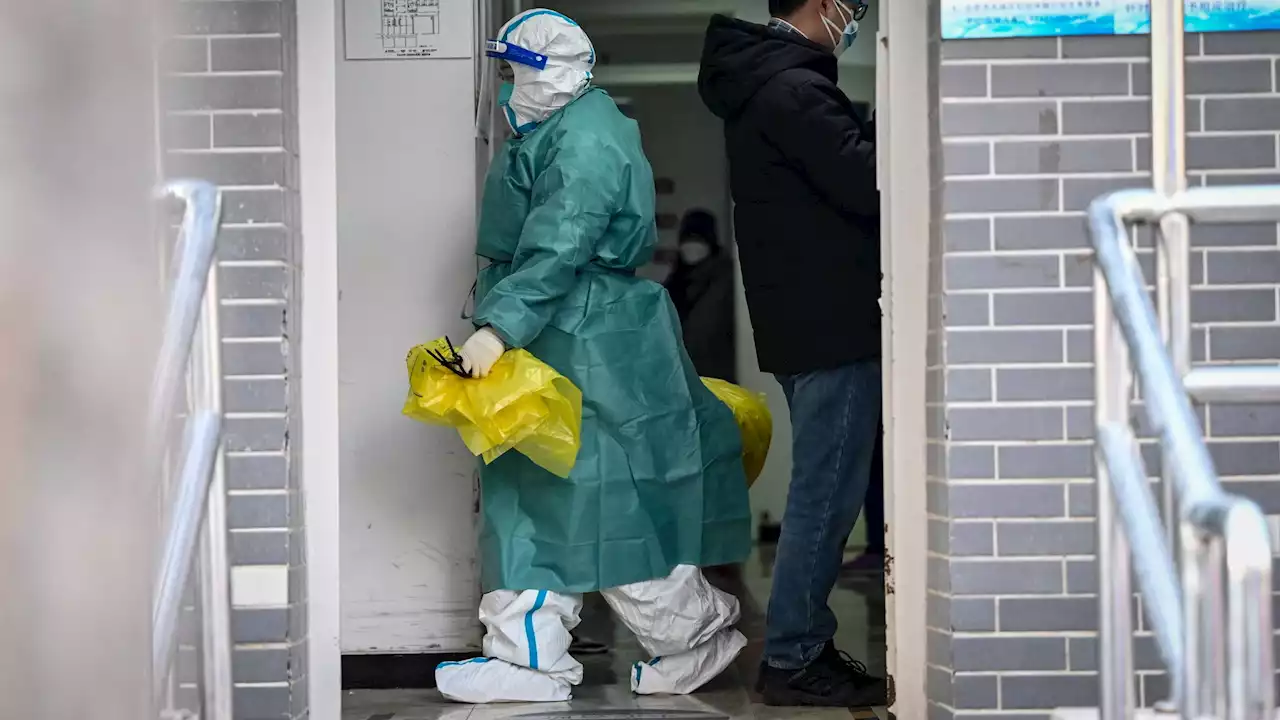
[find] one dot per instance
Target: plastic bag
(755, 422)
(523, 404)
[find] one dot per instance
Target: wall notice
(407, 29)
(1050, 18)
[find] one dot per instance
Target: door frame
(906, 88)
(317, 52)
(907, 94)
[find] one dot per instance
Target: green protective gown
(567, 217)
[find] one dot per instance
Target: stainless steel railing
(190, 359)
(1206, 576)
(1215, 631)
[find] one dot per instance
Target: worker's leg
(526, 651)
(685, 623)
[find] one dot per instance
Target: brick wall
(228, 95)
(1033, 130)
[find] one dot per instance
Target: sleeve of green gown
(571, 205)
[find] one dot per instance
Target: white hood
(570, 58)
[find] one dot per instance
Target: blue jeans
(835, 420)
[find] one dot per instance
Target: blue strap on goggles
(516, 54)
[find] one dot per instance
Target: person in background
(807, 224)
(658, 490)
(701, 287)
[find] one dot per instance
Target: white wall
(406, 214)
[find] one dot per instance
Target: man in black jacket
(807, 215)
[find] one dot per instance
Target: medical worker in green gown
(658, 490)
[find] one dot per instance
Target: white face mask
(692, 253)
(841, 38)
(535, 95)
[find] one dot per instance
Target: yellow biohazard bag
(523, 404)
(755, 422)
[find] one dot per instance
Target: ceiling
(659, 42)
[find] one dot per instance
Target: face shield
(509, 52)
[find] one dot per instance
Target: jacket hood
(739, 57)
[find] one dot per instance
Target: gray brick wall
(1033, 130)
(229, 99)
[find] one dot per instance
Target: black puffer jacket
(807, 212)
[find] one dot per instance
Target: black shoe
(583, 646)
(833, 680)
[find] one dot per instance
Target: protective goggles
(515, 54)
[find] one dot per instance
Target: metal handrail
(203, 434)
(198, 245)
(199, 502)
(1217, 531)
(1213, 531)
(1157, 576)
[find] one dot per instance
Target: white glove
(481, 351)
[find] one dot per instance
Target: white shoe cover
(684, 673)
(686, 623)
(683, 620)
(531, 629)
(526, 651)
(674, 614)
(483, 680)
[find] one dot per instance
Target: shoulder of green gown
(587, 124)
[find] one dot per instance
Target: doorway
(899, 87)
(650, 60)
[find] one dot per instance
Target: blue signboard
(962, 19)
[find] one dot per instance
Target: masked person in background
(658, 490)
(802, 168)
(701, 287)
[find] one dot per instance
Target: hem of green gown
(727, 556)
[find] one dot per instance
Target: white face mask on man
(841, 37)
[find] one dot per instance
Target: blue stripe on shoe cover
(528, 628)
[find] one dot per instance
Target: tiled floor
(605, 695)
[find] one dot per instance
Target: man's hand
(481, 351)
